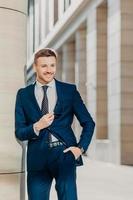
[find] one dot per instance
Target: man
(43, 116)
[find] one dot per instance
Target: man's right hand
(44, 122)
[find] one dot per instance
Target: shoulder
(25, 89)
(66, 85)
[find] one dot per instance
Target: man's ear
(34, 67)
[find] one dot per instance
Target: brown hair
(47, 52)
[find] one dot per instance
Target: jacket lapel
(59, 104)
(33, 98)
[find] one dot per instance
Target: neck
(43, 82)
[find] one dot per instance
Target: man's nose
(48, 69)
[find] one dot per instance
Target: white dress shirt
(51, 95)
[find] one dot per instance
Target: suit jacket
(69, 103)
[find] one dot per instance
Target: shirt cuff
(36, 131)
(82, 150)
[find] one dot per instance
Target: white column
(47, 16)
(51, 14)
(43, 9)
(114, 79)
(13, 23)
(61, 8)
(36, 24)
(30, 31)
(91, 73)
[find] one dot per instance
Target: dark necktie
(44, 107)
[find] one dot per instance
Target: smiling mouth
(48, 74)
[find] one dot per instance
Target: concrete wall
(12, 61)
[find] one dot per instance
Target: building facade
(94, 42)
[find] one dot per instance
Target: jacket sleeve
(85, 121)
(23, 131)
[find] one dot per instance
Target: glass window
(67, 3)
(55, 11)
(31, 27)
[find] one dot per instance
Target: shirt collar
(51, 84)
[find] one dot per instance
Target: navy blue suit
(53, 163)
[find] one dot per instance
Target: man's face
(45, 69)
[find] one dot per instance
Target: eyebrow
(47, 64)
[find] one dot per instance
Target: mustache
(51, 73)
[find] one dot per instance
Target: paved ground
(103, 181)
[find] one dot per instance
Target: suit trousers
(59, 166)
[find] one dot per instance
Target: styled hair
(46, 52)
